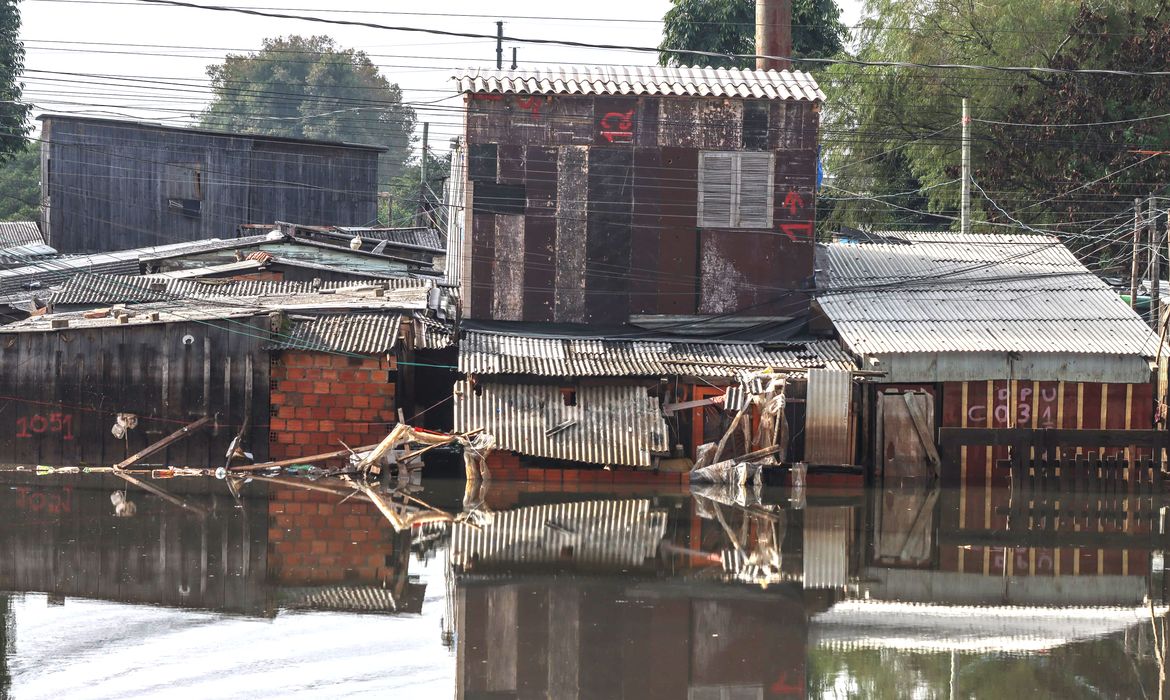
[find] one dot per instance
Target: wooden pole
(1137, 241)
(162, 444)
(1154, 241)
(300, 460)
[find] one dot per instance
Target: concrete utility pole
(421, 217)
(965, 205)
(513, 58)
(1137, 242)
(499, 45)
(773, 34)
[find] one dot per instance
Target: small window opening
(569, 395)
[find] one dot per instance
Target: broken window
(569, 395)
(183, 185)
(735, 189)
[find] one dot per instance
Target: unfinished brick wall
(314, 541)
(320, 400)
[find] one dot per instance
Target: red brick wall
(319, 400)
(314, 541)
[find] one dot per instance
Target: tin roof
(19, 233)
(366, 334)
(644, 80)
(604, 425)
(113, 289)
(420, 237)
(943, 292)
(498, 353)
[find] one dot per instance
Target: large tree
(13, 113)
(892, 133)
(728, 27)
(20, 185)
(308, 87)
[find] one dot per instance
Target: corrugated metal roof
(430, 334)
(945, 292)
(496, 353)
(420, 237)
(19, 233)
(616, 533)
(348, 598)
(366, 334)
(607, 425)
(644, 80)
(102, 289)
(208, 246)
(142, 314)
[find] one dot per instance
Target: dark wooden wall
(61, 538)
(60, 391)
(584, 209)
(109, 184)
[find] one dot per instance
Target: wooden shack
(108, 184)
(593, 195)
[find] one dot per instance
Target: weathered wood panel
(64, 389)
(508, 276)
(540, 230)
(114, 185)
(607, 246)
(678, 259)
(645, 232)
(572, 194)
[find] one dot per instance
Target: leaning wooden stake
(300, 460)
(202, 512)
(164, 443)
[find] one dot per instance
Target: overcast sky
(103, 38)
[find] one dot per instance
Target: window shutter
(716, 189)
(755, 190)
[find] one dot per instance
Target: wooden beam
(710, 401)
(925, 435)
(1047, 437)
(299, 460)
(164, 443)
(147, 486)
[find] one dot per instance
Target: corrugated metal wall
(620, 425)
(616, 533)
(827, 425)
(826, 546)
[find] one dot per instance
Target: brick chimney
(773, 33)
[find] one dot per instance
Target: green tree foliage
(13, 113)
(729, 27)
(892, 130)
(308, 87)
(408, 198)
(20, 185)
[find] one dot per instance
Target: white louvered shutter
(755, 191)
(716, 189)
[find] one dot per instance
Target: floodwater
(580, 592)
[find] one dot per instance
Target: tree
(20, 185)
(729, 27)
(307, 87)
(408, 196)
(1074, 181)
(13, 113)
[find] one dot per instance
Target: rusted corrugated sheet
(614, 533)
(644, 80)
(113, 289)
(826, 546)
(620, 425)
(430, 334)
(827, 423)
(365, 334)
(493, 353)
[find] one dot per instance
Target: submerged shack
(991, 331)
(573, 400)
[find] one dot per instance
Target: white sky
(421, 64)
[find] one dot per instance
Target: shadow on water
(582, 592)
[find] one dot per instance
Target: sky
(160, 54)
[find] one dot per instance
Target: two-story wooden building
(109, 185)
(593, 195)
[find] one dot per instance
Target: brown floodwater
(580, 592)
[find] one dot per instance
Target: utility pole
(499, 45)
(965, 210)
(513, 58)
(773, 34)
(1137, 241)
(1154, 242)
(422, 217)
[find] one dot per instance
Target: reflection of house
(589, 637)
(108, 184)
(987, 330)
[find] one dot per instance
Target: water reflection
(906, 591)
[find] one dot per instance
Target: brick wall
(319, 400)
(314, 541)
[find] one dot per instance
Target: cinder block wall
(320, 400)
(314, 541)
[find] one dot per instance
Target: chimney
(773, 33)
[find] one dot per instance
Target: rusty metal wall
(617, 533)
(828, 425)
(604, 188)
(620, 425)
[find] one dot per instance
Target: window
(735, 189)
(184, 181)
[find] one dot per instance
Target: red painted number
(37, 424)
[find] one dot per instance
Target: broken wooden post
(163, 443)
(300, 460)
